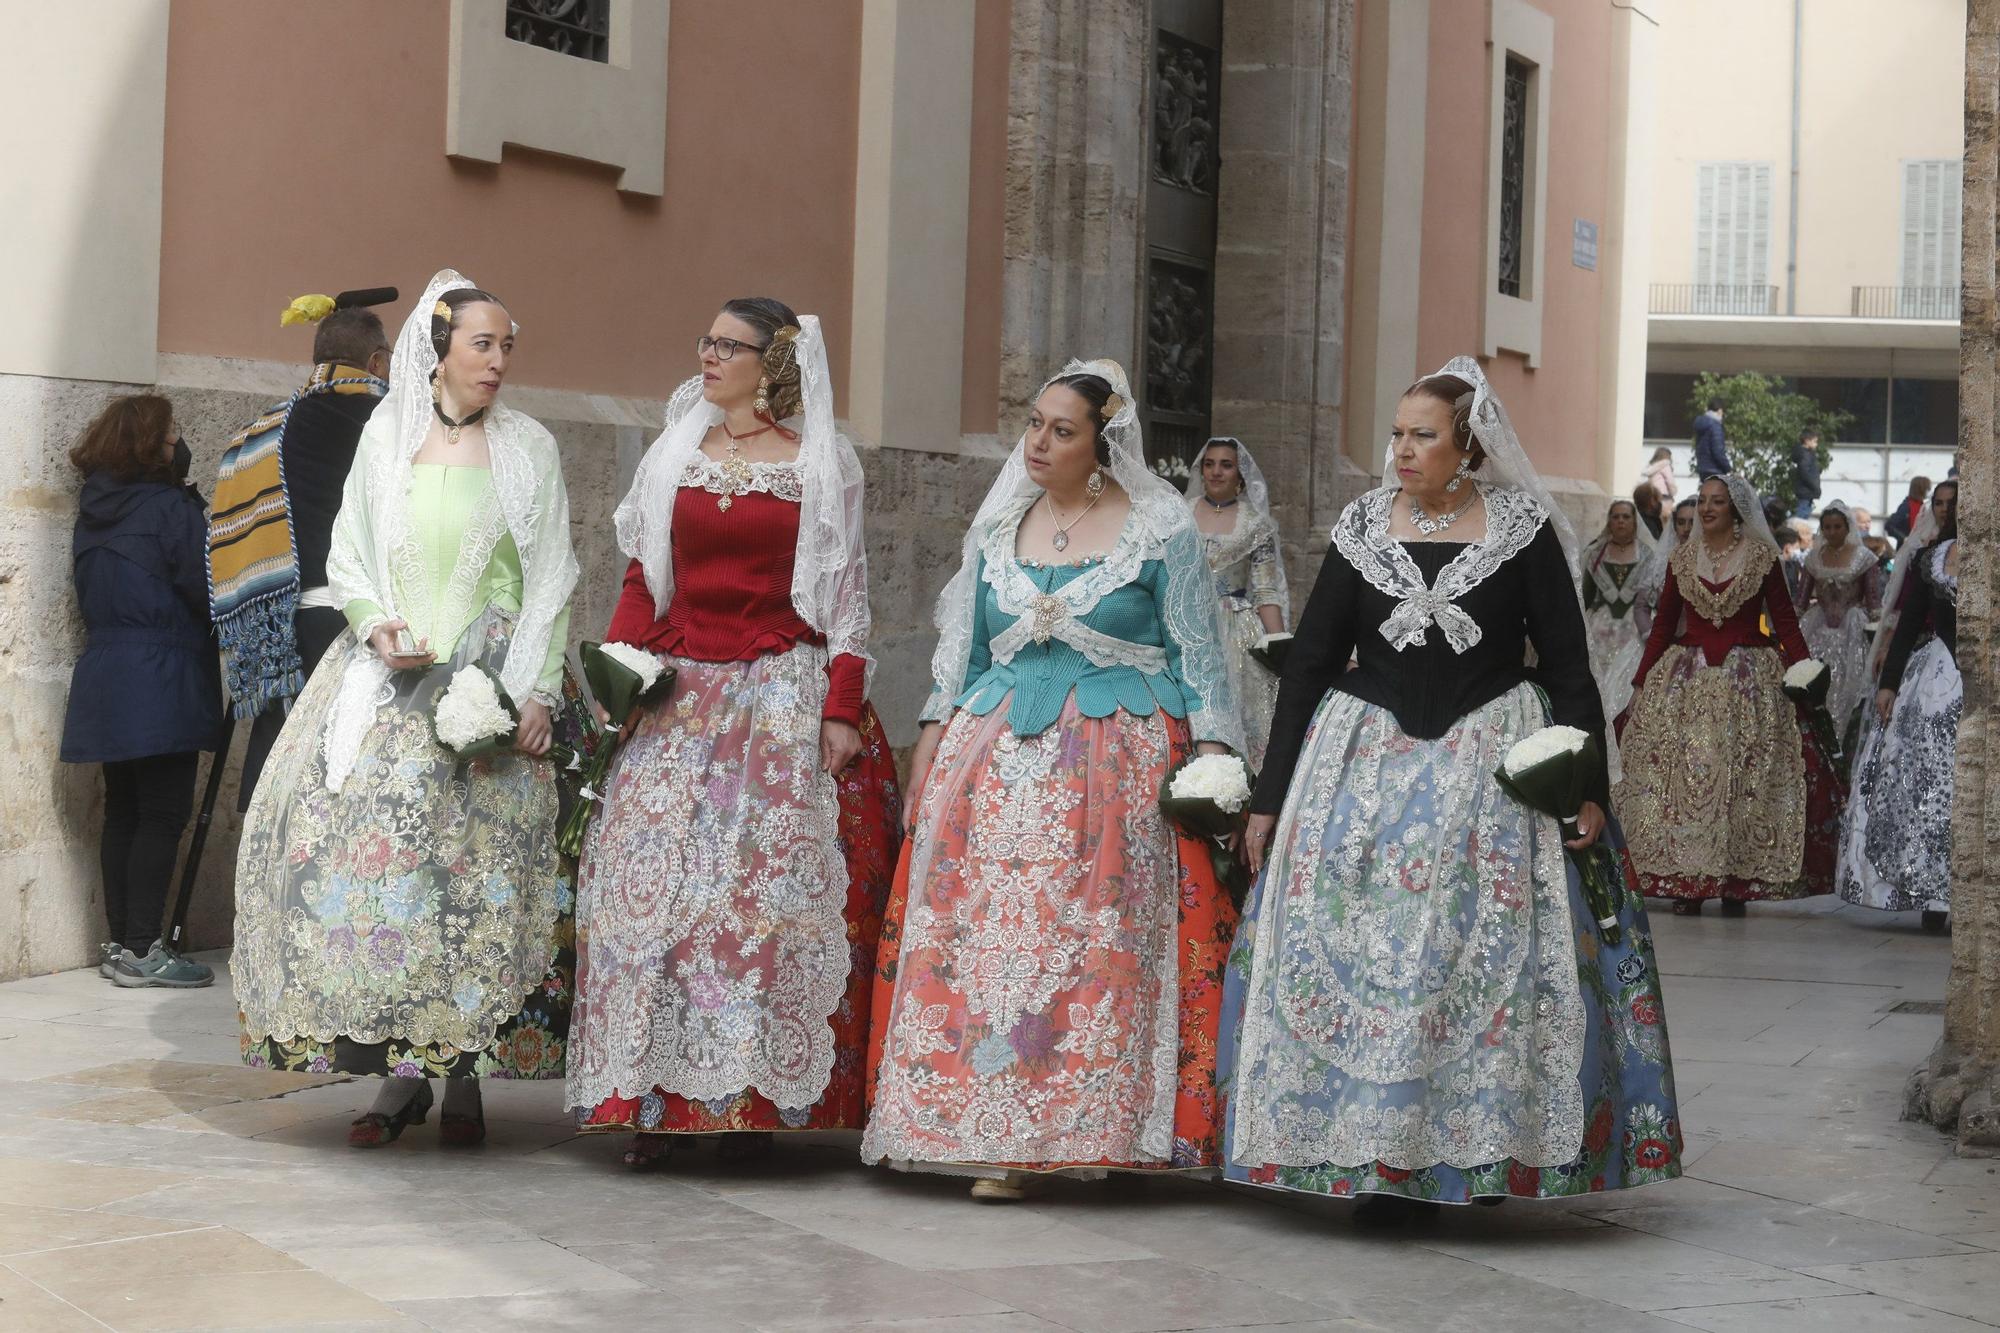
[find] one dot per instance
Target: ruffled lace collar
(1362, 538)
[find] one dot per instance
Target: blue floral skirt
(1418, 1001)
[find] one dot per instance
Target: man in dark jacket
(279, 489)
(1905, 515)
(1805, 474)
(1711, 450)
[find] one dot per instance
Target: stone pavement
(149, 1182)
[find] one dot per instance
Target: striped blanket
(253, 568)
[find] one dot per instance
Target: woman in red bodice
(1725, 794)
(731, 893)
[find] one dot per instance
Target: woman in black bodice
(1421, 1005)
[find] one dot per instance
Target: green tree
(1762, 419)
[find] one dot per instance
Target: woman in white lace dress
(401, 912)
(1232, 511)
(1840, 591)
(1420, 1006)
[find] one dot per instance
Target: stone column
(1281, 258)
(1075, 178)
(1959, 1088)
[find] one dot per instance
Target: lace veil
(1257, 495)
(1506, 461)
(1922, 533)
(1749, 508)
(376, 558)
(1158, 528)
(830, 568)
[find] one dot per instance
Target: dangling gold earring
(1096, 483)
(763, 403)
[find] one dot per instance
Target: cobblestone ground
(149, 1182)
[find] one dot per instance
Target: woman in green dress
(402, 912)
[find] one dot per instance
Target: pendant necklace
(735, 467)
(1431, 527)
(1061, 540)
(452, 428)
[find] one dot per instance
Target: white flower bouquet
(1806, 684)
(473, 716)
(1272, 650)
(1549, 772)
(1203, 797)
(621, 678)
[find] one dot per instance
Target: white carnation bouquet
(621, 678)
(1203, 797)
(473, 716)
(1549, 772)
(1806, 684)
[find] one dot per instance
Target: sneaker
(160, 967)
(107, 958)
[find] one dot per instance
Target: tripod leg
(199, 839)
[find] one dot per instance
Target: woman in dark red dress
(1725, 794)
(731, 892)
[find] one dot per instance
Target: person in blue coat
(145, 698)
(1711, 446)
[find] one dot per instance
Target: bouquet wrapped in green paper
(473, 716)
(621, 678)
(1549, 772)
(1203, 797)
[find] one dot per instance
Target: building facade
(1806, 198)
(1275, 213)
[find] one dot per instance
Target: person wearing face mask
(276, 493)
(403, 912)
(143, 697)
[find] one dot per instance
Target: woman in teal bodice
(1053, 953)
(402, 912)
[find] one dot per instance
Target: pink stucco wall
(1554, 407)
(305, 152)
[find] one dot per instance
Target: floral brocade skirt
(1050, 984)
(1419, 1001)
(1726, 792)
(418, 922)
(1895, 840)
(731, 897)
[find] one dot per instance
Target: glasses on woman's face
(724, 348)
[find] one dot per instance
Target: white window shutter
(1732, 241)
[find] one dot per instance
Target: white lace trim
(785, 481)
(1362, 538)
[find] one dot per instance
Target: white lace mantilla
(1362, 538)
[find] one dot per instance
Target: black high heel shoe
(375, 1130)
